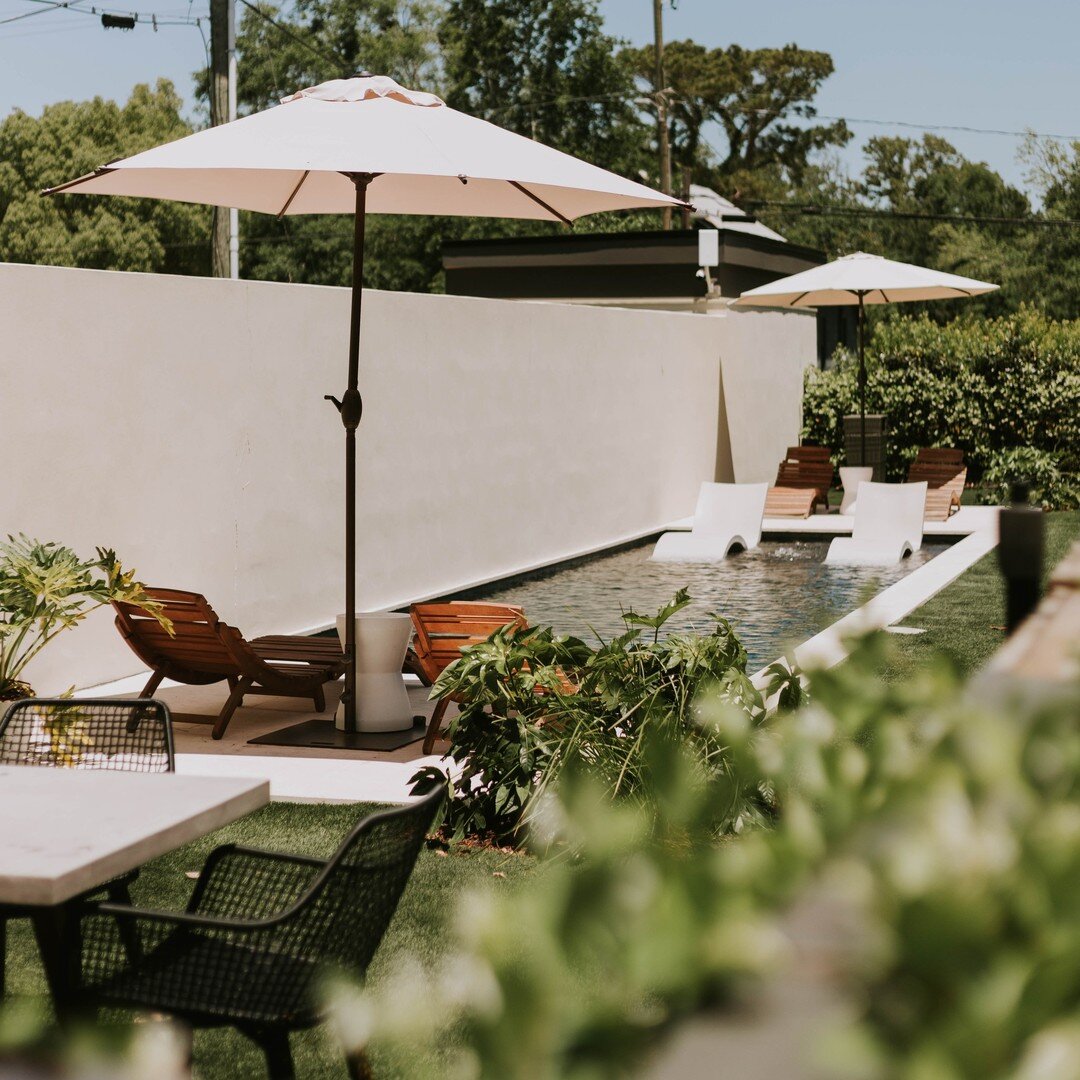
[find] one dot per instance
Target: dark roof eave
(681, 237)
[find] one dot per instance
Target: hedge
(1006, 391)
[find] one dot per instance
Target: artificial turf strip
(313, 829)
(966, 618)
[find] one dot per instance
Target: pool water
(776, 596)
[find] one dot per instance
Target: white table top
(64, 831)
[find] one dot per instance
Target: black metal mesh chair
(85, 733)
(260, 933)
(88, 733)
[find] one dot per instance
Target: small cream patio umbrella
(358, 146)
(863, 279)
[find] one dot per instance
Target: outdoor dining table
(67, 831)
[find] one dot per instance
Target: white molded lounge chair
(888, 525)
(727, 516)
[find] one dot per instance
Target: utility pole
(234, 214)
(225, 250)
(661, 107)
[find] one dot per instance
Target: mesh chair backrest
(88, 733)
(365, 880)
(338, 924)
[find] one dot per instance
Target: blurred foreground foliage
(945, 830)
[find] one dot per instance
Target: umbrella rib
(79, 180)
(288, 201)
(540, 202)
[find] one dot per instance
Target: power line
(947, 127)
(641, 98)
(147, 18)
(333, 58)
(31, 14)
(812, 210)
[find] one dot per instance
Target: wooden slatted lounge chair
(203, 650)
(442, 631)
(802, 481)
(945, 474)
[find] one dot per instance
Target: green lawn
(419, 925)
(967, 617)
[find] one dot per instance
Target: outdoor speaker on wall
(708, 247)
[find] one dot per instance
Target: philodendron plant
(46, 588)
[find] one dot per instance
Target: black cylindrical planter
(1020, 556)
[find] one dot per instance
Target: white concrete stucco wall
(764, 355)
(181, 421)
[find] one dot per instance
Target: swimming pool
(776, 596)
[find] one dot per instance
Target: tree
(880, 211)
(932, 174)
(314, 41)
(761, 100)
(331, 39)
(71, 138)
(929, 176)
(1054, 172)
(546, 69)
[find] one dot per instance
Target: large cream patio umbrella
(863, 279)
(358, 146)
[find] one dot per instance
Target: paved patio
(296, 774)
(260, 715)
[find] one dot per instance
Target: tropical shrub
(533, 704)
(984, 385)
(942, 832)
(46, 588)
(1048, 486)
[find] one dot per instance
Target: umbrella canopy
(861, 278)
(356, 146)
(301, 157)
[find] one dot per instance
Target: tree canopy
(71, 138)
(759, 100)
(742, 121)
(546, 69)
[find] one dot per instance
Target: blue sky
(975, 63)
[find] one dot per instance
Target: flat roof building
(693, 269)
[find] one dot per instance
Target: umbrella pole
(862, 382)
(351, 408)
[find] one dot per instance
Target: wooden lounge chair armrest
(414, 666)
